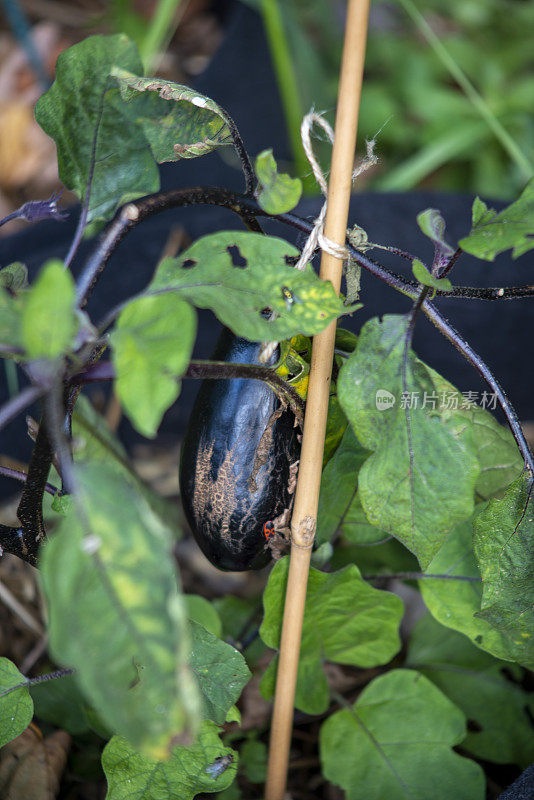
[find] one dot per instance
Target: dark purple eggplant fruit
(228, 491)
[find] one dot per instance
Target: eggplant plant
(421, 487)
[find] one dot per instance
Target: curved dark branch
(467, 351)
(211, 370)
(241, 150)
(490, 292)
(50, 676)
(221, 369)
(30, 508)
(18, 475)
(246, 207)
(134, 213)
(444, 271)
(17, 404)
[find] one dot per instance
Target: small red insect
(268, 529)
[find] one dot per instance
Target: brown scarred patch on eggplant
(234, 476)
(265, 446)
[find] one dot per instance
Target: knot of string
(317, 237)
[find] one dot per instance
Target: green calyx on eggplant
(235, 466)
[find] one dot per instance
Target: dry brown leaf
(25, 150)
(31, 767)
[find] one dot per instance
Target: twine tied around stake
(317, 238)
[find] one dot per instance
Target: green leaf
(492, 444)
(476, 683)
(234, 613)
(385, 556)
(204, 613)
(232, 793)
(133, 776)
(432, 224)
(221, 672)
(503, 536)
(11, 311)
(248, 271)
(277, 193)
(238, 617)
(60, 702)
(234, 715)
(336, 425)
(62, 504)
(480, 212)
(253, 760)
(345, 340)
(94, 441)
(69, 112)
(340, 509)
(16, 706)
(176, 120)
(346, 621)
(422, 274)
(419, 482)
(152, 344)
(455, 603)
(511, 228)
(48, 320)
(396, 742)
(116, 615)
(14, 277)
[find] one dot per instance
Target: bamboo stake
(309, 478)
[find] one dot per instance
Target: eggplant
(230, 490)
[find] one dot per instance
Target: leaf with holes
(16, 706)
(504, 532)
(83, 99)
(206, 766)
(233, 270)
(419, 482)
(177, 121)
(277, 192)
(152, 344)
(108, 575)
(396, 742)
(346, 621)
(476, 683)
